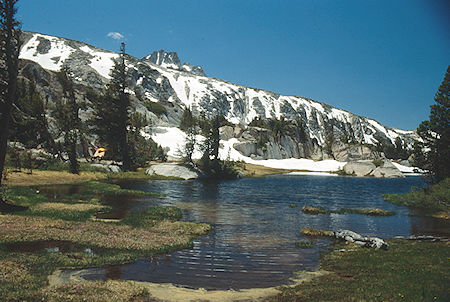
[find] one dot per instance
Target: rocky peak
(165, 59)
(171, 60)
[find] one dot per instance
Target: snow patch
(404, 169)
(53, 59)
(102, 61)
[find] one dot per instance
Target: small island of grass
(370, 212)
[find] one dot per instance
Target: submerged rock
(173, 170)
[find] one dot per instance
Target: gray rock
(245, 148)
(108, 168)
(161, 57)
(173, 170)
(405, 163)
(388, 170)
(343, 152)
(370, 242)
(237, 103)
(44, 45)
(359, 168)
(226, 132)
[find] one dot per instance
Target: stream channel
(256, 223)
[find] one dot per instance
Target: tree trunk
(12, 59)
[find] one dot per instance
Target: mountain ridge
(176, 87)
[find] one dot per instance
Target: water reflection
(254, 228)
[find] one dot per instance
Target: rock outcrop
(368, 168)
(387, 170)
(370, 242)
(359, 168)
(161, 78)
(108, 168)
(173, 170)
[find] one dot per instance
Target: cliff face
(161, 78)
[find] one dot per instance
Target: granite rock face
(161, 78)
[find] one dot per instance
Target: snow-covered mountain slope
(161, 78)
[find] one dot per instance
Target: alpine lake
(254, 241)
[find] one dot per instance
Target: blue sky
(378, 58)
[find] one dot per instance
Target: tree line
(209, 163)
(24, 117)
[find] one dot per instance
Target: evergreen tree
(104, 122)
(210, 163)
(29, 123)
(142, 149)
(117, 92)
(111, 114)
(67, 120)
(215, 138)
(188, 123)
(9, 60)
(190, 144)
(187, 120)
(435, 134)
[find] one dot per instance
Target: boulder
(226, 132)
(359, 168)
(370, 242)
(246, 148)
(173, 170)
(387, 170)
(108, 168)
(345, 152)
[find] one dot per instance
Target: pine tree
(9, 60)
(190, 144)
(28, 124)
(117, 90)
(67, 119)
(210, 163)
(187, 120)
(111, 116)
(435, 134)
(103, 122)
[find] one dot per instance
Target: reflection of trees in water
(425, 225)
(210, 190)
(121, 205)
(113, 272)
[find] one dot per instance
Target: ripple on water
(255, 228)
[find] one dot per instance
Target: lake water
(256, 223)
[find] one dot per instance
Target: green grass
(25, 274)
(434, 198)
(66, 216)
(85, 194)
(370, 212)
(304, 244)
(408, 271)
(152, 215)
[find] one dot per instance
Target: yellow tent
(99, 153)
